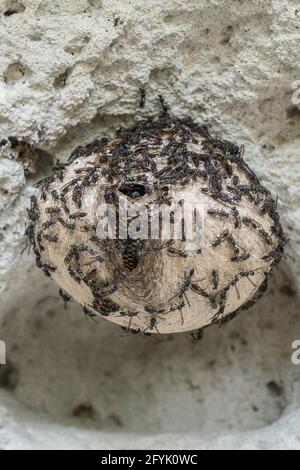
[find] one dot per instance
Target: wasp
(196, 335)
(142, 97)
(218, 213)
(96, 294)
(59, 166)
(129, 313)
(189, 284)
(223, 293)
(240, 258)
(64, 223)
(66, 298)
(235, 180)
(89, 278)
(248, 172)
(269, 206)
(174, 252)
(242, 151)
(78, 215)
(89, 228)
(185, 286)
(55, 195)
(45, 183)
(46, 272)
(64, 204)
(235, 213)
(100, 309)
(162, 199)
(98, 240)
(266, 236)
(107, 307)
(39, 240)
(219, 312)
(232, 243)
(213, 297)
(71, 183)
(229, 197)
(48, 224)
(96, 258)
(178, 306)
(248, 274)
(215, 279)
(34, 211)
(155, 310)
(274, 254)
(152, 325)
(89, 314)
(109, 289)
(225, 197)
(74, 275)
(53, 210)
(39, 262)
(30, 241)
(215, 182)
(147, 161)
(277, 230)
(165, 109)
(48, 269)
(250, 223)
(110, 196)
(223, 236)
(232, 283)
(74, 251)
(77, 195)
(51, 238)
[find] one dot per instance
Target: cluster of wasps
(129, 154)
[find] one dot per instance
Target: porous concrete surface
(71, 71)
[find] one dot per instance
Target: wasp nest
(144, 280)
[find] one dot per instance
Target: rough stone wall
(73, 70)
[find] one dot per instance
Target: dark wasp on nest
(142, 281)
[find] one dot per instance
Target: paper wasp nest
(149, 282)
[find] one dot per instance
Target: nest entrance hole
(133, 190)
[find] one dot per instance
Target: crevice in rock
(293, 113)
(62, 79)
(15, 72)
(9, 377)
(36, 162)
(77, 44)
(13, 8)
